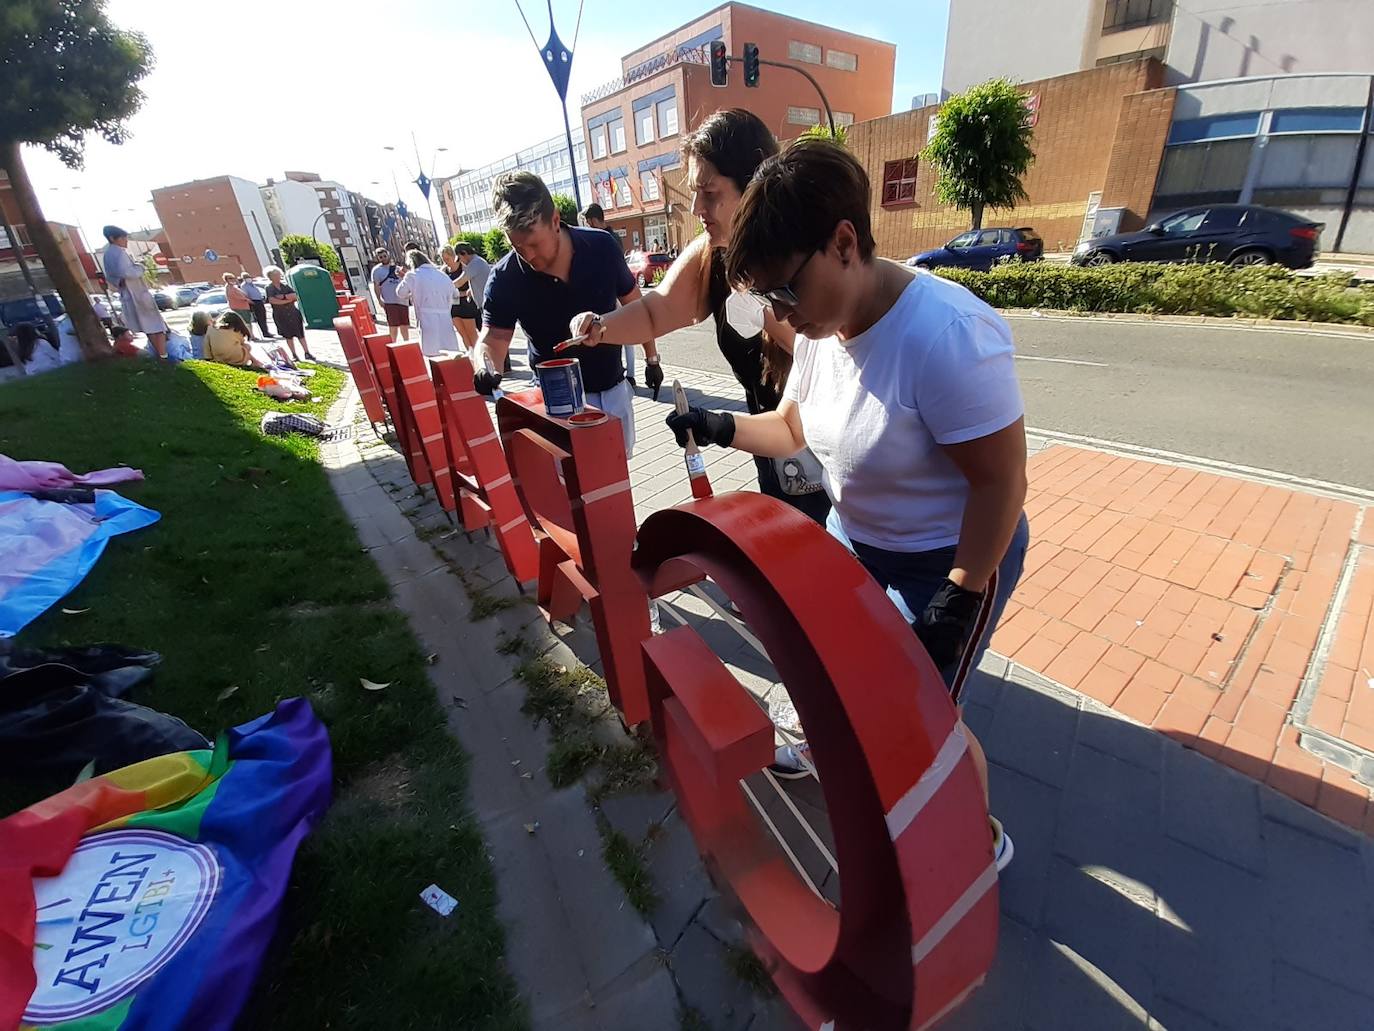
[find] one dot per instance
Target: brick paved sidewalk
(1231, 615)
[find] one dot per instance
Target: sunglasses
(785, 296)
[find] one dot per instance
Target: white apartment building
(471, 190)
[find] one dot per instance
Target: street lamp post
(424, 182)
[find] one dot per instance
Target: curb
(555, 891)
(1211, 321)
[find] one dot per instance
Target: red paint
(351, 328)
(574, 483)
(876, 713)
(486, 494)
(420, 405)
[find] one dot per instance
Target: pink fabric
(52, 476)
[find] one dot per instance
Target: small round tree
(567, 209)
(496, 245)
(296, 247)
(981, 148)
(477, 241)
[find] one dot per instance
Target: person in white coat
(433, 294)
(140, 310)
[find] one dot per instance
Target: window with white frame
(599, 142)
(844, 118)
(808, 52)
(622, 192)
(644, 125)
(648, 185)
(616, 127)
(667, 117)
(845, 62)
(804, 115)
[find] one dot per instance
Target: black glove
(653, 377)
(486, 382)
(707, 427)
(947, 622)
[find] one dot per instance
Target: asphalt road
(1294, 402)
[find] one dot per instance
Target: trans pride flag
(145, 898)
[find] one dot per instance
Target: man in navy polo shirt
(553, 273)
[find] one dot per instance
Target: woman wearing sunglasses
(903, 385)
(722, 155)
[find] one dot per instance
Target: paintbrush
(696, 464)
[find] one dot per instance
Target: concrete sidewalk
(1153, 886)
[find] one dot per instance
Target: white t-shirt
(936, 369)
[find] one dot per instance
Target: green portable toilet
(315, 294)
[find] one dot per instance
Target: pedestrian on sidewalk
(432, 293)
(102, 311)
(285, 314)
(463, 312)
(904, 386)
(238, 302)
(385, 278)
(722, 155)
(257, 300)
(140, 311)
(595, 217)
(553, 272)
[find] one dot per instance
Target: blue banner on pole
(558, 62)
(423, 183)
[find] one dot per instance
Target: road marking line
(1218, 324)
(1061, 361)
(1342, 491)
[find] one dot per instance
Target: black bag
(61, 709)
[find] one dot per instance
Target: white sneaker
(793, 762)
(1002, 848)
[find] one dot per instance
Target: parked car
(983, 248)
(164, 299)
(213, 302)
(35, 310)
(645, 266)
(184, 295)
(1238, 234)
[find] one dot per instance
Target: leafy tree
(296, 247)
(821, 131)
(982, 148)
(477, 241)
(567, 209)
(69, 72)
(496, 245)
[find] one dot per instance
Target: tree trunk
(977, 211)
(95, 345)
(12, 345)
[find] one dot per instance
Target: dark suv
(982, 249)
(42, 313)
(1239, 234)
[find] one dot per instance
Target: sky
(255, 88)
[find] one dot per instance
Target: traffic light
(751, 64)
(720, 68)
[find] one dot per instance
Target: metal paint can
(561, 382)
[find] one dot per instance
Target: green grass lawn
(254, 580)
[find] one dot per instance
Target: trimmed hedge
(1266, 291)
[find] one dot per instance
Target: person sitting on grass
(122, 337)
(227, 342)
(200, 325)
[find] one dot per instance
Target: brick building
(633, 125)
(225, 214)
(1098, 140)
(1115, 149)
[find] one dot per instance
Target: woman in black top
(285, 315)
(722, 155)
(465, 312)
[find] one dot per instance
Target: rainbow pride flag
(146, 898)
